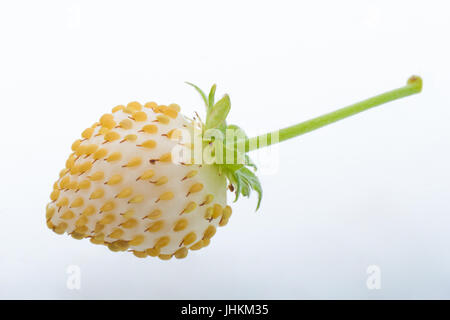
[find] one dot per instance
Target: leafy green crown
(241, 171)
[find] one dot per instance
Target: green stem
(413, 86)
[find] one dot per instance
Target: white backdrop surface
(370, 190)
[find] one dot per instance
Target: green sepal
(244, 181)
(238, 132)
(235, 181)
(238, 174)
(218, 113)
(212, 92)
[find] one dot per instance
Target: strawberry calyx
(239, 169)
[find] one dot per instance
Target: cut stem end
(415, 82)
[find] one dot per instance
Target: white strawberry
(120, 187)
(123, 188)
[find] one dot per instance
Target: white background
(370, 190)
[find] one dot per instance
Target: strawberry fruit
(125, 187)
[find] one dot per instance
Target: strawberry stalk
(413, 86)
